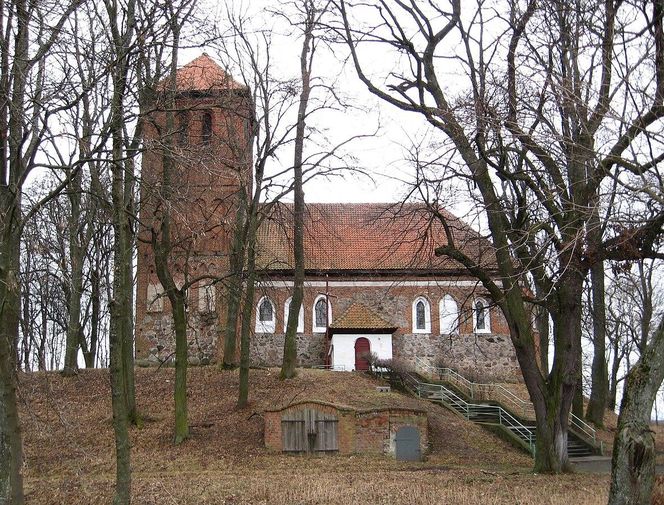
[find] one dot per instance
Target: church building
(374, 287)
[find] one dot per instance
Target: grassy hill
(70, 459)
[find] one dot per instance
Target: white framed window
(481, 316)
(448, 312)
(300, 318)
(155, 297)
(421, 315)
(265, 316)
(206, 298)
(320, 316)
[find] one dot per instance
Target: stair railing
(502, 394)
(467, 409)
(583, 427)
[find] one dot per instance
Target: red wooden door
(362, 350)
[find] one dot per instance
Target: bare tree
(30, 98)
(167, 244)
(122, 20)
(311, 14)
(46, 278)
(531, 123)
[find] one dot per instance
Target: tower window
(206, 298)
(206, 128)
(183, 127)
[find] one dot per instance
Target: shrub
(394, 370)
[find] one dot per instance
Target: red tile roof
(203, 74)
(359, 316)
(367, 236)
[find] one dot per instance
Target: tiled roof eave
(214, 91)
(374, 272)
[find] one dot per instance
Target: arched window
(449, 315)
(321, 317)
(183, 127)
(206, 128)
(300, 318)
(421, 315)
(155, 297)
(481, 317)
(206, 298)
(265, 316)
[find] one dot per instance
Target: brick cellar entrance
(312, 426)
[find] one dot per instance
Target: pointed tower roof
(204, 74)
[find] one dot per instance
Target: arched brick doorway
(362, 350)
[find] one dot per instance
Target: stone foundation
(267, 349)
(202, 334)
(482, 357)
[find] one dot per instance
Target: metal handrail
(526, 408)
(337, 368)
(521, 405)
(449, 397)
(583, 426)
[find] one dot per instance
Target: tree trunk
(245, 334)
(11, 450)
(245, 341)
(163, 249)
(552, 395)
(181, 356)
(551, 444)
(26, 322)
(615, 368)
(577, 401)
(118, 339)
(95, 292)
(290, 340)
(76, 254)
(600, 380)
(234, 289)
(128, 272)
(542, 322)
(633, 462)
(119, 390)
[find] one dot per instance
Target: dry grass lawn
(70, 460)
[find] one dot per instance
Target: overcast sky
(381, 156)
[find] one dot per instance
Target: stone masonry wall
(267, 349)
(159, 337)
(482, 355)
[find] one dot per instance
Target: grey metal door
(408, 444)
